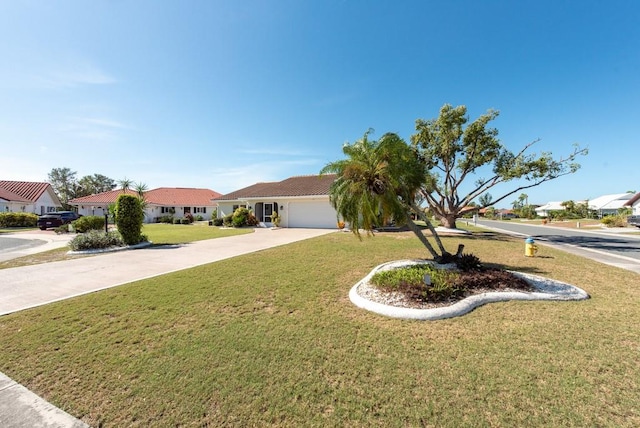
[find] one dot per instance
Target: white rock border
(548, 290)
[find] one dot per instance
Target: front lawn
(271, 339)
(162, 233)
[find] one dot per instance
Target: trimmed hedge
(18, 220)
(129, 217)
(89, 222)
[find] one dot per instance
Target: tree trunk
(416, 230)
(449, 221)
(424, 218)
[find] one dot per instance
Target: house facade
(544, 210)
(609, 204)
(27, 196)
(301, 201)
(163, 201)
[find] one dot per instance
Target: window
(167, 210)
(200, 210)
(235, 207)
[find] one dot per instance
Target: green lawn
(271, 339)
(161, 233)
(17, 229)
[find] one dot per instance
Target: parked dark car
(634, 220)
(56, 219)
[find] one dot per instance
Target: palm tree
(379, 181)
(141, 189)
(125, 184)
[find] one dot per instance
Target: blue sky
(223, 94)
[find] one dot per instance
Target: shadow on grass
(524, 269)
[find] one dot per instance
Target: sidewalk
(30, 286)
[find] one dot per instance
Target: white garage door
(315, 215)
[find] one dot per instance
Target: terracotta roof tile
(181, 196)
(10, 196)
(306, 185)
(28, 190)
(164, 196)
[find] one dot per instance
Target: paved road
(8, 244)
(19, 244)
(617, 249)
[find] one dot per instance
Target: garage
(311, 214)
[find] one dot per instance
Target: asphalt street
(607, 246)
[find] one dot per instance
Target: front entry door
(268, 210)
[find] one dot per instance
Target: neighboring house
(176, 201)
(634, 204)
(544, 210)
(27, 196)
(609, 204)
(301, 201)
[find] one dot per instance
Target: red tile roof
(306, 185)
(181, 196)
(27, 190)
(163, 196)
(10, 196)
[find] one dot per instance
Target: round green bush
(89, 222)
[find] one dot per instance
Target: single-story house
(634, 204)
(163, 201)
(301, 201)
(544, 210)
(27, 196)
(609, 204)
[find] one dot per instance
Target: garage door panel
(317, 215)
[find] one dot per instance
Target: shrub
(63, 228)
(614, 221)
(96, 240)
(227, 221)
(410, 281)
(165, 219)
(185, 221)
(87, 223)
(468, 262)
(240, 216)
(18, 219)
(177, 221)
(199, 218)
(252, 220)
(217, 221)
(129, 217)
(188, 217)
(275, 219)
